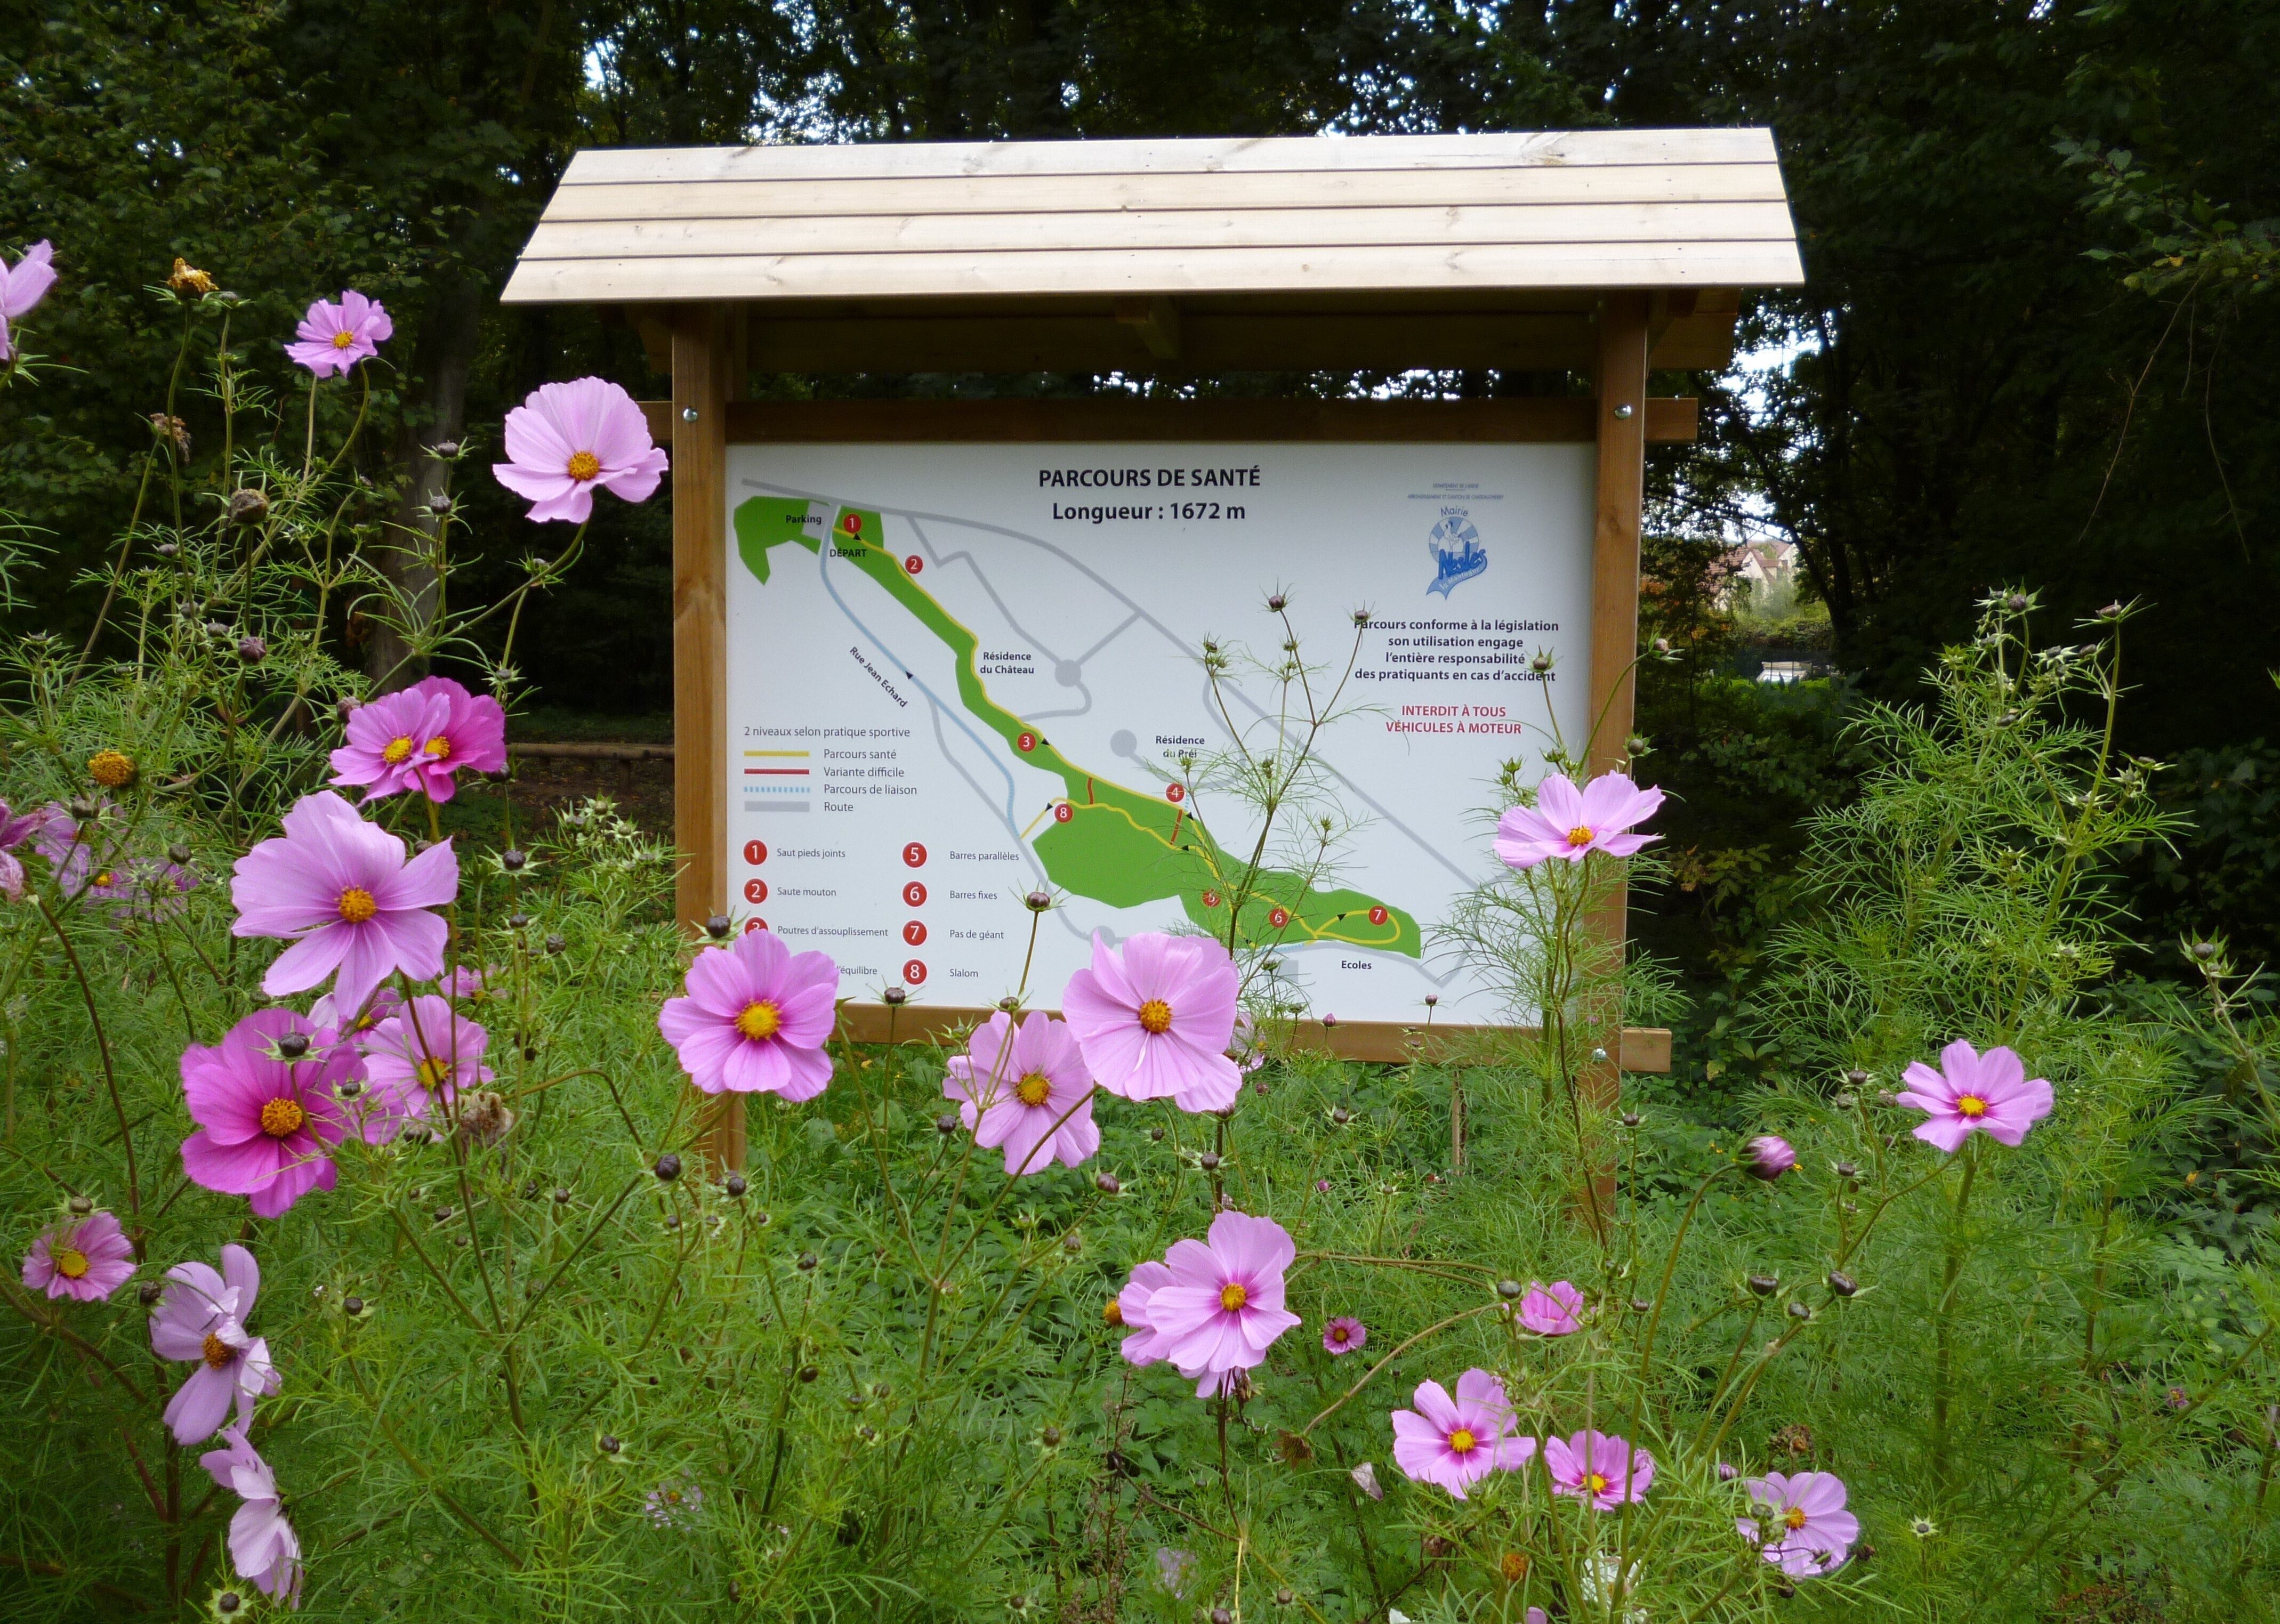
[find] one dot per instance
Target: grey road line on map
(941, 559)
(1138, 612)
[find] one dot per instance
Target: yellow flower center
(217, 1352)
(398, 748)
(1338, 1333)
(1034, 1089)
(1114, 1313)
(1793, 1518)
(1971, 1106)
(1462, 1441)
(1232, 1297)
(1581, 834)
(1156, 1016)
(342, 339)
(584, 465)
(439, 747)
(103, 878)
(280, 1117)
(760, 1020)
(1593, 1481)
(356, 906)
(70, 1262)
(109, 768)
(433, 1074)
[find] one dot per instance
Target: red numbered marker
(756, 852)
(914, 894)
(1063, 813)
(1211, 899)
(914, 564)
(915, 855)
(1278, 916)
(1026, 743)
(914, 933)
(754, 924)
(914, 972)
(1377, 916)
(853, 523)
(756, 890)
(1175, 793)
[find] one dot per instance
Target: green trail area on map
(1120, 846)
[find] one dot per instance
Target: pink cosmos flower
(1598, 1468)
(266, 1122)
(1147, 1345)
(335, 337)
(566, 439)
(15, 829)
(674, 1505)
(342, 887)
(85, 1261)
(1223, 1305)
(1551, 1311)
(262, 1544)
(1767, 1156)
(1026, 1089)
(756, 1019)
(419, 738)
(23, 286)
(1975, 1093)
(1173, 1567)
(1154, 1019)
(1454, 1443)
(83, 853)
(1566, 822)
(383, 1003)
(471, 985)
(427, 1051)
(1811, 1529)
(201, 1320)
(1343, 1333)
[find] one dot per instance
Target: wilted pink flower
(1025, 1089)
(1551, 1311)
(1223, 1306)
(335, 337)
(265, 1123)
(1810, 1529)
(1598, 1468)
(566, 439)
(756, 1019)
(1154, 1019)
(1454, 1443)
(419, 738)
(471, 985)
(201, 1320)
(1173, 1567)
(23, 286)
(427, 1051)
(383, 1003)
(342, 887)
(1364, 1477)
(674, 1505)
(1343, 1333)
(1975, 1093)
(1566, 822)
(84, 854)
(85, 1261)
(155, 888)
(15, 829)
(262, 1546)
(1767, 1156)
(1147, 1345)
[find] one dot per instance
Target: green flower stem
(110, 1073)
(1943, 1379)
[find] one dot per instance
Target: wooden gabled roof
(1318, 231)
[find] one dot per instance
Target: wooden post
(702, 341)
(1622, 412)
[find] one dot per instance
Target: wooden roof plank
(1302, 154)
(1215, 230)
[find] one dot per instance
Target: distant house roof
(1506, 226)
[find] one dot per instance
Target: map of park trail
(1097, 839)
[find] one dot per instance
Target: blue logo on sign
(1458, 555)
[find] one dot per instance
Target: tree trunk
(434, 411)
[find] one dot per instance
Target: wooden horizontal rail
(1644, 1048)
(1547, 419)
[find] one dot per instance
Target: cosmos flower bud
(440, 504)
(807, 1262)
(1662, 645)
(80, 1206)
(518, 921)
(561, 1195)
(554, 944)
(2204, 951)
(1284, 1597)
(347, 705)
(292, 1045)
(809, 1374)
(896, 995)
(1329, 1022)
(1038, 901)
(1764, 1285)
(1727, 1472)
(1340, 1116)
(608, 1445)
(1542, 662)
(1156, 1135)
(1276, 603)
(353, 1308)
(734, 1185)
(1432, 998)
(1050, 1438)
(1767, 1156)
(512, 859)
(2016, 603)
(246, 507)
(1510, 1290)
(1842, 1283)
(1106, 1184)
(444, 449)
(946, 1124)
(348, 1089)
(1846, 1170)
(1072, 1242)
(667, 1167)
(178, 853)
(1208, 1161)
(1630, 1118)
(150, 1291)
(1641, 1305)
(1798, 1310)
